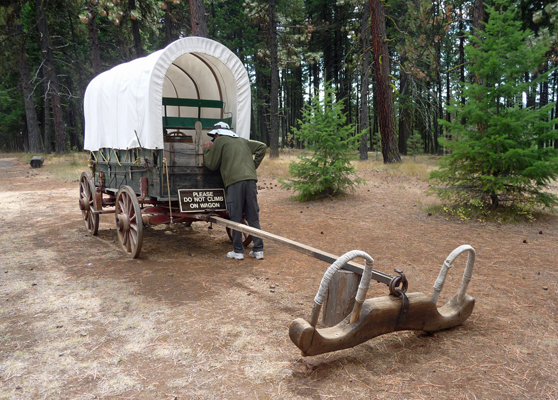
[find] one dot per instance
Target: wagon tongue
(372, 317)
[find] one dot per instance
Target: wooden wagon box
(146, 123)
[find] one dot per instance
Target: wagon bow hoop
(467, 275)
(333, 268)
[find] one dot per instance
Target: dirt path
(79, 320)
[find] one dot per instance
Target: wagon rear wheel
(246, 238)
(86, 199)
(129, 225)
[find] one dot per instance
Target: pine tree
(501, 154)
(323, 131)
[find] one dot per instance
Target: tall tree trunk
(316, 78)
(448, 96)
(428, 121)
(298, 97)
(75, 103)
(168, 23)
(478, 16)
(198, 20)
(46, 120)
(274, 92)
(364, 117)
(381, 68)
(478, 27)
(405, 108)
(461, 55)
(342, 78)
(51, 77)
(439, 101)
(33, 132)
(135, 30)
(283, 104)
(328, 45)
(262, 94)
(531, 92)
(375, 118)
(94, 43)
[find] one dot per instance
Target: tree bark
(262, 93)
(274, 92)
(405, 109)
(390, 152)
(168, 24)
(33, 132)
(94, 43)
(364, 117)
(198, 20)
(135, 30)
(478, 16)
(52, 84)
(478, 27)
(47, 147)
(461, 56)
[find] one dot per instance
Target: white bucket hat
(223, 129)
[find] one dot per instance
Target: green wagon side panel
(190, 122)
(200, 103)
(121, 168)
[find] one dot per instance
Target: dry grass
(417, 167)
(68, 167)
(60, 167)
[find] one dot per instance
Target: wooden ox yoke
(378, 316)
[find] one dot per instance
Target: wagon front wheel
(86, 199)
(246, 238)
(129, 225)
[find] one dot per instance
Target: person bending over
(237, 159)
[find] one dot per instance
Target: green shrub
(327, 170)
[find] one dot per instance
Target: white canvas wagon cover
(123, 106)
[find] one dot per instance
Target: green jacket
(236, 158)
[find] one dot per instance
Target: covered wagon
(146, 122)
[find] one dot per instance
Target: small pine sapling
(328, 170)
(415, 145)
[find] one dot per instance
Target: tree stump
(37, 162)
(340, 297)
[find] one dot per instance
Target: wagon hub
(123, 222)
(84, 204)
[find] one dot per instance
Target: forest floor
(81, 320)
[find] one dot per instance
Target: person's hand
(208, 144)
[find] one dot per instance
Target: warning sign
(200, 200)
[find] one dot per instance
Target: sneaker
(236, 256)
(258, 255)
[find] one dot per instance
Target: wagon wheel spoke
(86, 201)
(129, 224)
(246, 238)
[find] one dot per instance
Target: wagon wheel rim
(129, 224)
(246, 237)
(86, 200)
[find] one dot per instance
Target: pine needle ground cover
(80, 320)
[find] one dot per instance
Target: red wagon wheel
(246, 238)
(86, 199)
(129, 224)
